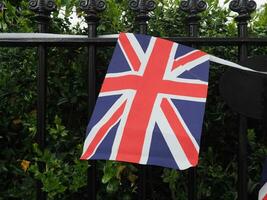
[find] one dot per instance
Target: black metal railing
(43, 9)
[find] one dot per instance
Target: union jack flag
(263, 190)
(151, 106)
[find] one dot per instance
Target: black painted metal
(142, 7)
(242, 159)
(244, 9)
(42, 8)
(109, 41)
(193, 8)
(91, 8)
(41, 109)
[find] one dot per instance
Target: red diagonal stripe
(103, 131)
(265, 197)
(120, 83)
(129, 51)
(183, 89)
(181, 134)
(182, 61)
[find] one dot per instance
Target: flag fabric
(151, 105)
(263, 190)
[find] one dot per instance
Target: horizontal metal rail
(28, 40)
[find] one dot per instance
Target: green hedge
(65, 176)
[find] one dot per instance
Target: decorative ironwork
(91, 8)
(42, 7)
(143, 7)
(243, 7)
(193, 7)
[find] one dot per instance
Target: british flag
(263, 190)
(151, 105)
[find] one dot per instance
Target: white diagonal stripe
(136, 45)
(189, 53)
(172, 142)
(176, 72)
(186, 98)
(118, 136)
(149, 132)
(116, 92)
(125, 55)
(193, 81)
(168, 71)
(144, 60)
(263, 192)
(93, 132)
(184, 125)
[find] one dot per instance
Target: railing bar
(41, 99)
(244, 11)
(242, 136)
(91, 172)
(242, 159)
(91, 74)
(91, 9)
(41, 109)
(192, 183)
(192, 172)
(111, 41)
(142, 182)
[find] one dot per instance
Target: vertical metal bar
(242, 159)
(193, 7)
(92, 7)
(91, 172)
(41, 110)
(43, 8)
(244, 8)
(192, 183)
(142, 189)
(192, 172)
(242, 135)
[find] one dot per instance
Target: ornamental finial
(143, 7)
(92, 7)
(43, 8)
(193, 7)
(244, 8)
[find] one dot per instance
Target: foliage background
(65, 176)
